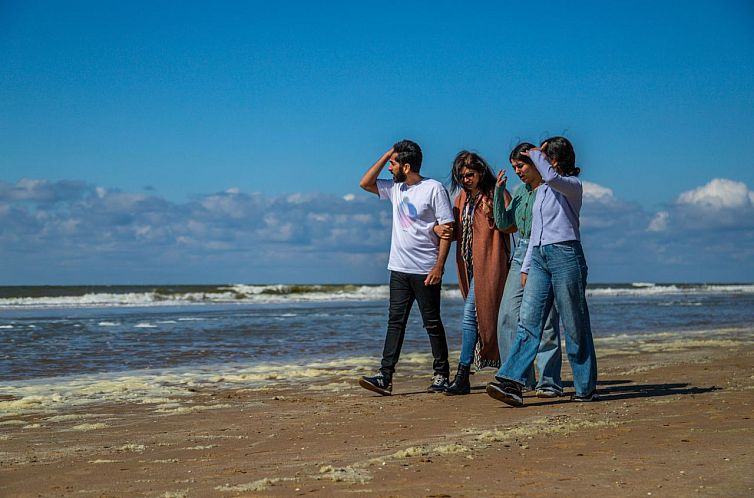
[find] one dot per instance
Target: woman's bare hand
(501, 178)
(445, 232)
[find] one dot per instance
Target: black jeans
(405, 288)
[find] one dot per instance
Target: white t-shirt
(416, 209)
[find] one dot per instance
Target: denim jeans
(469, 328)
(558, 273)
(549, 358)
(405, 288)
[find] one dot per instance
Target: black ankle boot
(460, 384)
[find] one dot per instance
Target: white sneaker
(439, 384)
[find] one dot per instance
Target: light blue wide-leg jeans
(469, 327)
(549, 358)
(558, 273)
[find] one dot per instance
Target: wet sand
(674, 420)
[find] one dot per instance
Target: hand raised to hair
(502, 179)
(540, 149)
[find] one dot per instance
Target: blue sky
(188, 142)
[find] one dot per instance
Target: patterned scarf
(467, 233)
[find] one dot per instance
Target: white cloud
(98, 233)
(720, 206)
(719, 193)
(659, 223)
(596, 192)
(120, 201)
(42, 191)
(603, 211)
(298, 198)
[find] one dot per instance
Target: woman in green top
(517, 217)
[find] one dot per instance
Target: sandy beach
(675, 420)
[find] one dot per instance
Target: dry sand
(675, 420)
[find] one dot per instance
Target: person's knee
(432, 324)
(508, 323)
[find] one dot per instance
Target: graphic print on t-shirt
(406, 213)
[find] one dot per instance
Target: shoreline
(48, 395)
(674, 420)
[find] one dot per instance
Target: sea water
(82, 344)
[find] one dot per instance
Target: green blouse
(518, 213)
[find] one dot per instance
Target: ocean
(62, 346)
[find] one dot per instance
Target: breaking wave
(185, 295)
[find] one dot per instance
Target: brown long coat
(490, 253)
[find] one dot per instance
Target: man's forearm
(369, 180)
(442, 254)
(435, 276)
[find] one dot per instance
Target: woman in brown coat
(482, 254)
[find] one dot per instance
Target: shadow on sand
(616, 390)
(609, 390)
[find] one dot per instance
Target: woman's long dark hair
(474, 162)
(560, 149)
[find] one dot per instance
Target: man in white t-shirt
(417, 258)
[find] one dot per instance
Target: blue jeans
(549, 357)
(558, 273)
(469, 328)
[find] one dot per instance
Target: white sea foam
(679, 303)
(232, 294)
(725, 336)
(172, 386)
(276, 294)
(647, 289)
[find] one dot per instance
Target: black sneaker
(380, 383)
(592, 396)
(439, 384)
(507, 392)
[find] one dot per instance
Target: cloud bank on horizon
(71, 232)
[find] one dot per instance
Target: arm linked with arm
(443, 216)
(435, 276)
